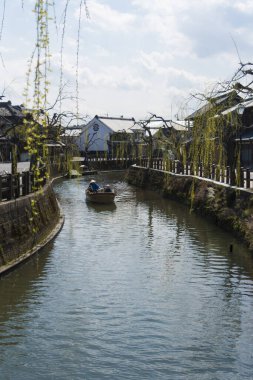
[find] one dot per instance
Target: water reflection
(101, 207)
(209, 239)
(18, 290)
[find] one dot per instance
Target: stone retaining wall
(229, 207)
(27, 224)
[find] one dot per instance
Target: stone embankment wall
(26, 225)
(229, 207)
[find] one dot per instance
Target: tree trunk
(14, 163)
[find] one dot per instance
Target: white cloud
(104, 17)
(245, 6)
(111, 77)
(201, 27)
(136, 55)
(157, 63)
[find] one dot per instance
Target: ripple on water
(142, 290)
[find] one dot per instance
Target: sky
(135, 57)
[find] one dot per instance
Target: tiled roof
(178, 126)
(71, 132)
(245, 104)
(117, 124)
(231, 96)
(156, 125)
(8, 111)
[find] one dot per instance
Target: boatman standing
(93, 186)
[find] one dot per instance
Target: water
(139, 290)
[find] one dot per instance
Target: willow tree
(161, 138)
(37, 88)
(147, 137)
(218, 124)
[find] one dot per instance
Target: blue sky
(135, 56)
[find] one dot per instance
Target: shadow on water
(19, 286)
(101, 207)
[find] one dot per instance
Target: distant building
(11, 118)
(10, 115)
(215, 105)
(96, 135)
(234, 116)
(167, 138)
(244, 135)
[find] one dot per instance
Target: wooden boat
(73, 174)
(86, 171)
(100, 196)
(89, 172)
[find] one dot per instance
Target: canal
(139, 290)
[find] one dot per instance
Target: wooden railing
(13, 186)
(103, 157)
(242, 178)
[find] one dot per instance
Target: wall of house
(101, 136)
(26, 225)
(228, 207)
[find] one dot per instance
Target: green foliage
(213, 136)
(36, 92)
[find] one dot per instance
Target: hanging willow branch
(37, 86)
(61, 52)
(82, 2)
(2, 21)
(86, 9)
(214, 133)
(77, 58)
(39, 66)
(54, 18)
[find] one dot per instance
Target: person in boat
(107, 189)
(93, 186)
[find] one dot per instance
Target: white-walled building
(95, 135)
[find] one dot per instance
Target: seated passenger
(107, 189)
(93, 186)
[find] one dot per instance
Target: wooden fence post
(191, 169)
(178, 167)
(227, 175)
(222, 174)
(27, 183)
(247, 178)
(241, 177)
(17, 185)
(213, 172)
(217, 174)
(31, 183)
(200, 170)
(186, 168)
(10, 187)
(173, 166)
